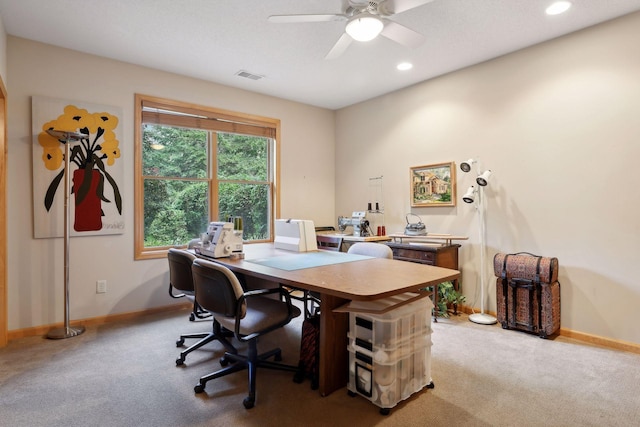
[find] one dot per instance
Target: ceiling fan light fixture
(364, 27)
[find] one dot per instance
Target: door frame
(3, 216)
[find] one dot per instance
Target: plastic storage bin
(388, 329)
(390, 353)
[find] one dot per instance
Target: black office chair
(181, 278)
(248, 314)
(328, 242)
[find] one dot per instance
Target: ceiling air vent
(248, 75)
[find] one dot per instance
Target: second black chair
(248, 314)
(181, 278)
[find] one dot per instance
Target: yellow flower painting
(92, 160)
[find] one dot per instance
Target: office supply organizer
(390, 353)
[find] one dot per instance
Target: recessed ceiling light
(404, 66)
(558, 7)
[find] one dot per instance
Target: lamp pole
(482, 317)
(66, 331)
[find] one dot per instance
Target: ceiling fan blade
(341, 45)
(391, 7)
(401, 34)
(287, 19)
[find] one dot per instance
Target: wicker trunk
(528, 293)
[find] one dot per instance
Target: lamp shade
(364, 27)
(466, 165)
(483, 179)
(470, 195)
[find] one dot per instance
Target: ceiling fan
(365, 21)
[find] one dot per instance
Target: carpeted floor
(125, 375)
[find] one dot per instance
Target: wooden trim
(610, 343)
(276, 184)
(3, 217)
(206, 124)
(100, 320)
(138, 190)
(601, 341)
(201, 110)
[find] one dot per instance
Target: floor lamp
(66, 138)
(476, 195)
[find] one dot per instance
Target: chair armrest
(261, 292)
(283, 294)
(267, 291)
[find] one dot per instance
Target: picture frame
(96, 207)
(433, 185)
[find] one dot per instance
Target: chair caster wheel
(179, 362)
(192, 317)
(199, 388)
(180, 343)
(431, 385)
(385, 411)
(350, 393)
(278, 357)
(224, 361)
(298, 378)
(248, 402)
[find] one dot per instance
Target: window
(196, 164)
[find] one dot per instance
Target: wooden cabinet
(439, 255)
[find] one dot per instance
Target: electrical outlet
(101, 286)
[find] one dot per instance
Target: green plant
(447, 297)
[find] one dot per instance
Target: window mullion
(214, 208)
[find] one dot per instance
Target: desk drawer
(414, 255)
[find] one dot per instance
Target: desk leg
(334, 357)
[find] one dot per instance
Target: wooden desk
(337, 284)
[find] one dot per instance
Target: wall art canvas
(433, 185)
(96, 171)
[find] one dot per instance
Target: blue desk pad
(299, 261)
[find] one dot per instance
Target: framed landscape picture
(433, 185)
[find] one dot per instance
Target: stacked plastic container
(390, 353)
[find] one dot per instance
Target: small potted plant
(448, 298)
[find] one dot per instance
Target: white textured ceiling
(214, 39)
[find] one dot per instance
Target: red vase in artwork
(88, 213)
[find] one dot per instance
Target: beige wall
(559, 126)
(3, 52)
(36, 265)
